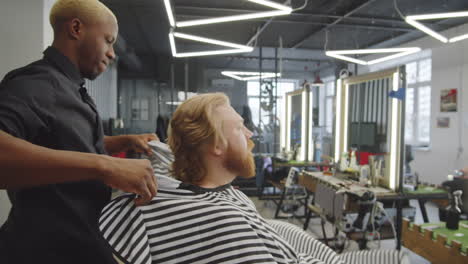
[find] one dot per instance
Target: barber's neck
(66, 48)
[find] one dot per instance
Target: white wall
(449, 146)
(24, 31)
(21, 28)
(47, 32)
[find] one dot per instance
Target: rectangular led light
(303, 127)
(173, 46)
(283, 124)
(345, 118)
(231, 18)
(272, 5)
(174, 103)
(209, 53)
(339, 101)
(210, 41)
(339, 54)
(310, 143)
(370, 51)
(439, 15)
(280, 11)
(394, 144)
(345, 58)
(394, 56)
(251, 75)
(288, 127)
(426, 30)
(170, 14)
(455, 39)
(413, 20)
(263, 77)
(237, 47)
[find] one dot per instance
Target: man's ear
(75, 29)
(219, 149)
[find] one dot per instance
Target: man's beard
(242, 164)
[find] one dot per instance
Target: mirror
(370, 122)
(297, 138)
(295, 120)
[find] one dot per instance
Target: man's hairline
(106, 16)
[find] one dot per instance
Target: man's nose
(248, 133)
(111, 54)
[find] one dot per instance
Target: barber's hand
(465, 173)
(139, 143)
(132, 176)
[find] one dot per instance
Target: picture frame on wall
(443, 122)
(448, 100)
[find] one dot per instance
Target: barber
(52, 148)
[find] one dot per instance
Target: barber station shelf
(310, 179)
(300, 164)
(436, 243)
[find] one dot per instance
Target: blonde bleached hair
(88, 11)
(192, 129)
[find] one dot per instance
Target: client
(197, 216)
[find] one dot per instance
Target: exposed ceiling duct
(127, 56)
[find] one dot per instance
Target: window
(418, 102)
(253, 94)
(140, 109)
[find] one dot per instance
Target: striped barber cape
(189, 224)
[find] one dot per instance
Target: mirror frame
(394, 169)
(307, 143)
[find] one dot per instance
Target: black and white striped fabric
(307, 244)
(194, 226)
(189, 224)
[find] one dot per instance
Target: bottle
(353, 161)
(453, 212)
(343, 165)
(364, 174)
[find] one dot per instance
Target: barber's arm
(24, 116)
(26, 165)
(137, 143)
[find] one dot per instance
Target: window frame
(257, 98)
(329, 99)
(417, 86)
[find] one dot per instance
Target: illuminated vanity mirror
(296, 137)
(370, 122)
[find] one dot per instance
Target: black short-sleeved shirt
(45, 103)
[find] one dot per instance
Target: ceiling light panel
(413, 20)
(400, 52)
(272, 5)
(246, 76)
(279, 10)
(170, 13)
(234, 48)
(216, 20)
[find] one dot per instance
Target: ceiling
(305, 34)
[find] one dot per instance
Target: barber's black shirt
(46, 104)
